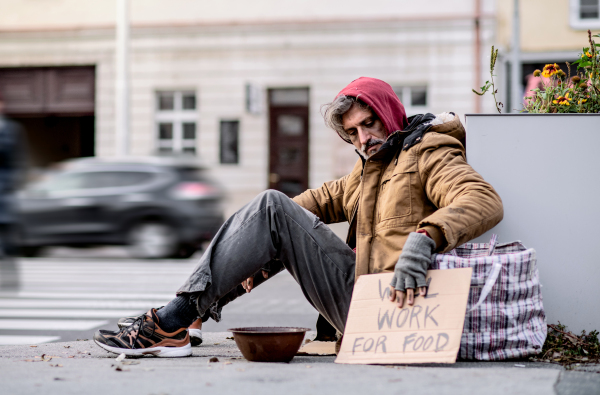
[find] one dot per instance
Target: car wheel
(184, 251)
(30, 251)
(151, 240)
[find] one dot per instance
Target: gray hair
(333, 112)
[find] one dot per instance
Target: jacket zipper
(377, 202)
(355, 209)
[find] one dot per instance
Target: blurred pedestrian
(410, 194)
(12, 170)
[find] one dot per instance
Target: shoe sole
(161, 352)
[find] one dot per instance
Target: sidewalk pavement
(81, 367)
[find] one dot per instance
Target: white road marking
(51, 325)
(80, 304)
(17, 340)
(82, 295)
(39, 313)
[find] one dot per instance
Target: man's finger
(265, 274)
(410, 296)
(423, 291)
(400, 297)
(392, 293)
(250, 284)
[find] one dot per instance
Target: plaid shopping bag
(505, 316)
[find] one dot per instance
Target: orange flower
(550, 70)
(563, 100)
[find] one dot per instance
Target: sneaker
(195, 336)
(127, 321)
(144, 337)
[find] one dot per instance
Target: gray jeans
(273, 232)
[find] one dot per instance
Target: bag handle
(493, 243)
(493, 276)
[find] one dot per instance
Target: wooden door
(288, 146)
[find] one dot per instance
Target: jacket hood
(445, 123)
(380, 96)
(449, 123)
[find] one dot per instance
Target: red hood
(381, 98)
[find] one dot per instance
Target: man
(410, 194)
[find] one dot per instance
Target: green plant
(566, 348)
(561, 92)
(490, 84)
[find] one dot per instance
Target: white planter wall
(546, 169)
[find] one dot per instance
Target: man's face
(365, 129)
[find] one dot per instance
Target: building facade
(238, 84)
(550, 32)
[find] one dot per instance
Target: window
(60, 182)
(176, 122)
(585, 14)
(116, 179)
(229, 141)
(68, 182)
(414, 98)
(588, 9)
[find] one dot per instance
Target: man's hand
(248, 284)
(409, 295)
(411, 269)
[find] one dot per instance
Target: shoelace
(139, 322)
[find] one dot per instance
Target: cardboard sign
(317, 348)
(378, 332)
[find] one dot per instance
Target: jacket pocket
(396, 198)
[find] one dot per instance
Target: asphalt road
(68, 294)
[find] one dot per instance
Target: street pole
(122, 79)
(516, 102)
(477, 53)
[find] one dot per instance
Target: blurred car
(158, 207)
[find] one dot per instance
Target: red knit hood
(381, 98)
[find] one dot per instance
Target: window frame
(177, 117)
(582, 24)
(406, 98)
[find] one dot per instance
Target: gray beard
(365, 147)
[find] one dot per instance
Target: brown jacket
(395, 192)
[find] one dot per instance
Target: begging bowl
(268, 344)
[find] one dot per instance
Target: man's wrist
(423, 231)
(435, 234)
